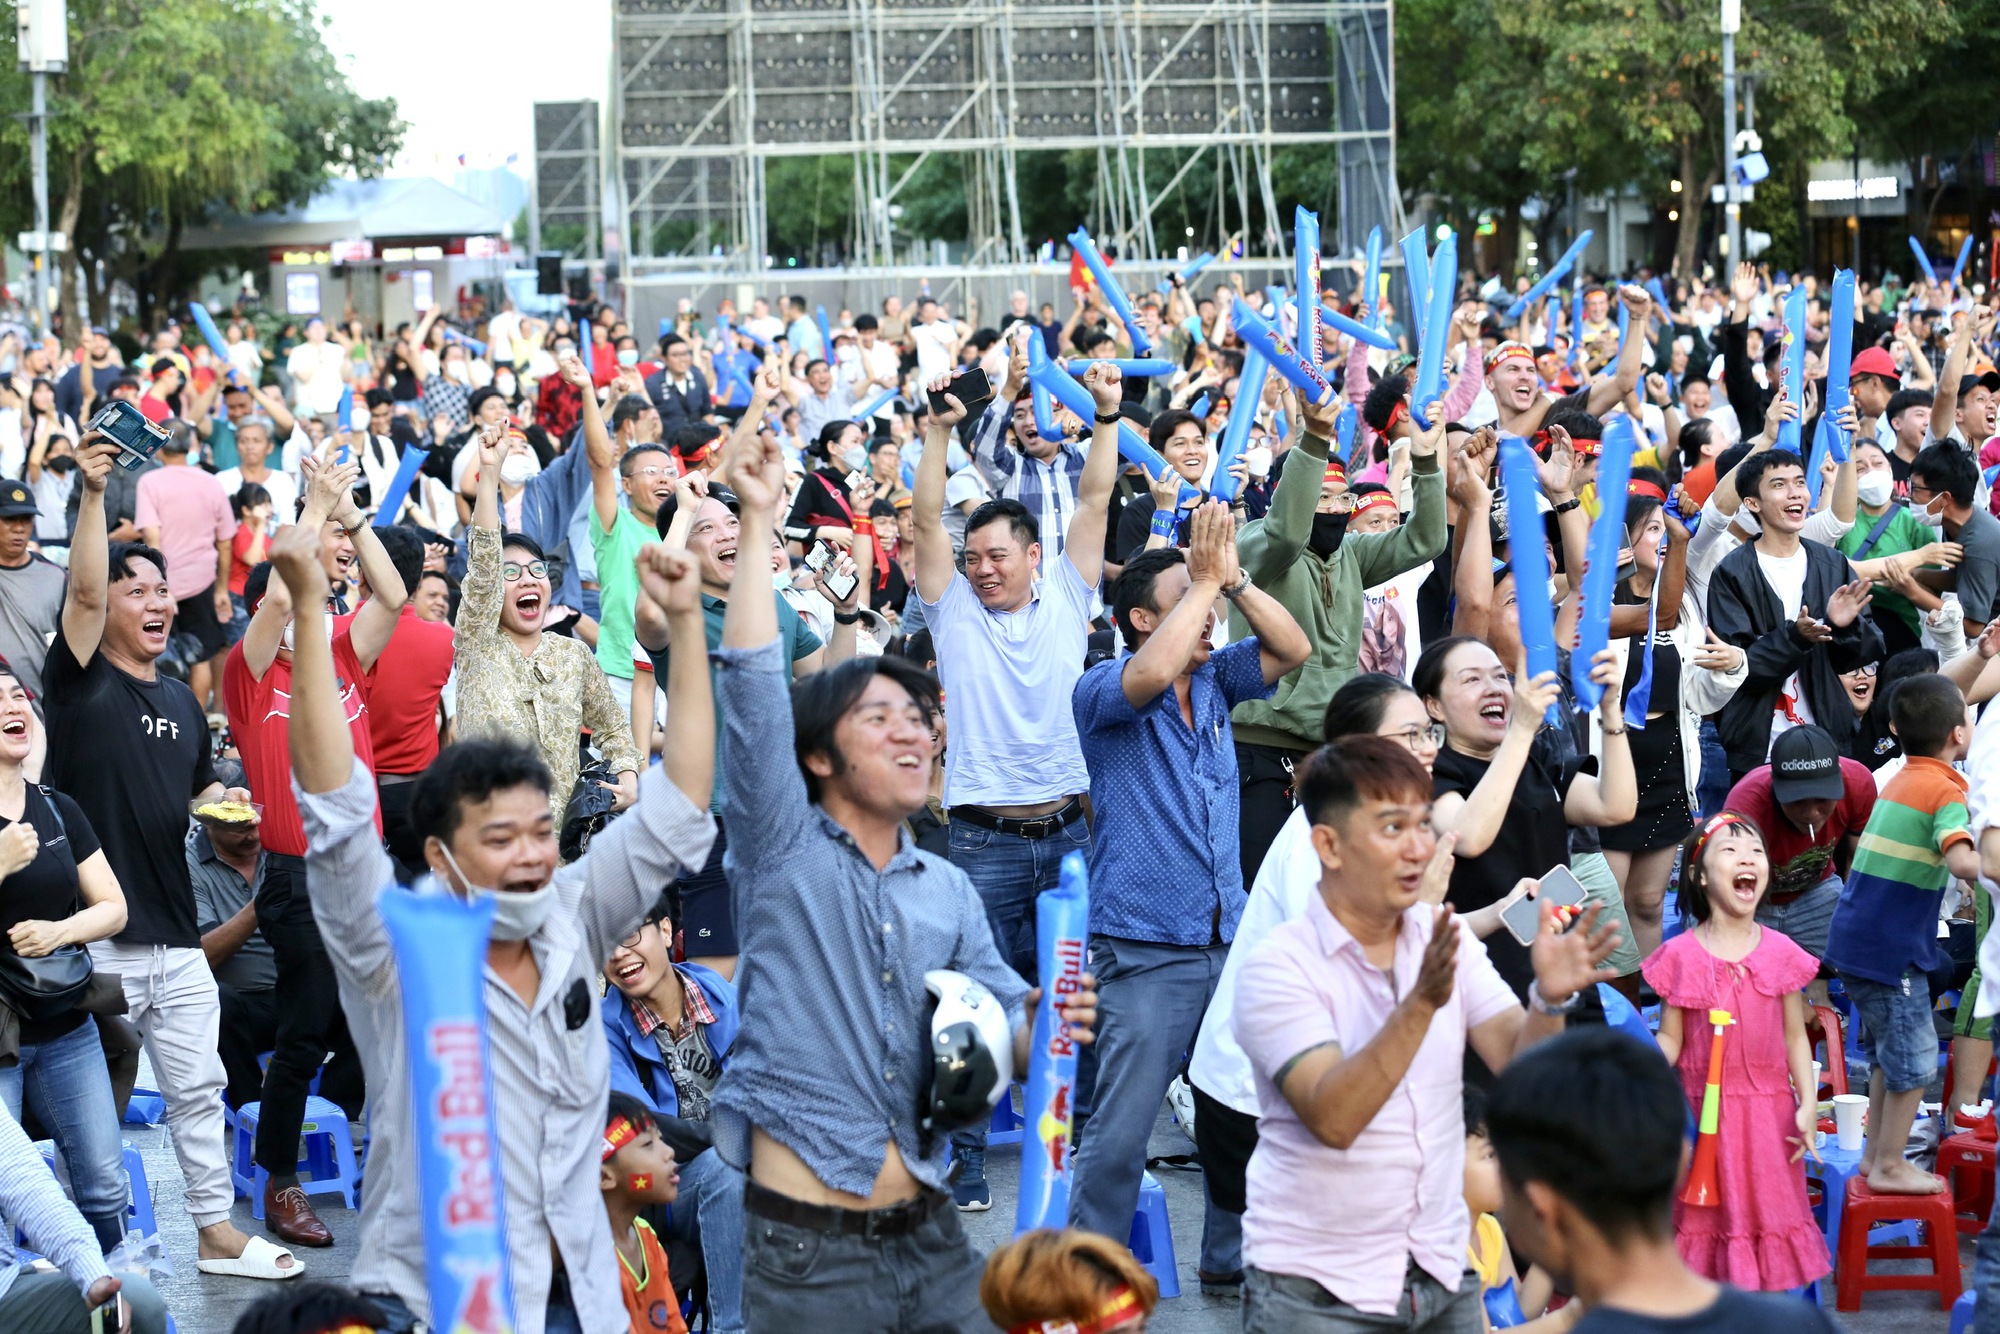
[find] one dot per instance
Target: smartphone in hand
(138, 440)
(820, 561)
(1559, 886)
(970, 387)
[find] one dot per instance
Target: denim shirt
(1165, 799)
(833, 1049)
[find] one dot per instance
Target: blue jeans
(1150, 999)
(1986, 1276)
(1713, 788)
(1897, 1033)
(709, 1211)
(68, 1088)
(1009, 871)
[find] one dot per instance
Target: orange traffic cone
(1702, 1186)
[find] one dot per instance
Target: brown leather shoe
(287, 1213)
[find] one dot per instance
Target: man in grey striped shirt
(482, 810)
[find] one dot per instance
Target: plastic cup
(1813, 1092)
(1848, 1109)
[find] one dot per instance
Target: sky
(466, 76)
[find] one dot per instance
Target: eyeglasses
(1869, 670)
(1416, 737)
(631, 942)
(648, 474)
(534, 569)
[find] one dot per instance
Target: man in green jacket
(1299, 553)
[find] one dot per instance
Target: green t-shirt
(222, 446)
(1903, 534)
(617, 587)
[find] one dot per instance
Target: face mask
(285, 640)
(518, 468)
(1924, 516)
(629, 357)
(516, 915)
(61, 465)
(856, 458)
(505, 384)
(457, 371)
(1874, 489)
(781, 579)
(1328, 530)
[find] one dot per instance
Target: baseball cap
(1989, 377)
(1805, 766)
(16, 501)
(1875, 361)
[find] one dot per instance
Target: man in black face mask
(1304, 555)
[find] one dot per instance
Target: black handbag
(50, 986)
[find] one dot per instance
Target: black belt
(390, 780)
(895, 1221)
(1034, 826)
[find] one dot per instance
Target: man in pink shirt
(1355, 1019)
(183, 514)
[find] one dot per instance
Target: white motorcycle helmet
(971, 1050)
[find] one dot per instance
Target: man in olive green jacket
(1324, 594)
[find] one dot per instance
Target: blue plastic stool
(146, 1108)
(1962, 1312)
(328, 1165)
(1007, 1125)
(1152, 1239)
(139, 1213)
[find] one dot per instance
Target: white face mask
(781, 579)
(519, 468)
(456, 371)
(285, 640)
(505, 384)
(1922, 514)
(856, 458)
(1874, 489)
(517, 914)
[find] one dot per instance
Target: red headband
(617, 1135)
(1374, 500)
(1120, 1309)
(1510, 348)
(1399, 411)
(1715, 826)
(1639, 486)
(1335, 468)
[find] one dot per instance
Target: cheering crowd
(762, 674)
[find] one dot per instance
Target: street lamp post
(1732, 19)
(42, 43)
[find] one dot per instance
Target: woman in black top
(1510, 833)
(56, 889)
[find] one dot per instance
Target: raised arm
(1476, 816)
(671, 582)
(1083, 545)
(322, 749)
(1605, 394)
(89, 553)
(757, 475)
(602, 451)
(1269, 546)
(1211, 557)
(935, 565)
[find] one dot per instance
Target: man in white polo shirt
(1010, 649)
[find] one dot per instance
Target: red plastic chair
(1939, 1244)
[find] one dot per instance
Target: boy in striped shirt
(1883, 939)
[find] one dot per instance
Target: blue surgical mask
(628, 357)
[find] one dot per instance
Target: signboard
(1844, 187)
(302, 294)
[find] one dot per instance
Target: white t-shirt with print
(1787, 577)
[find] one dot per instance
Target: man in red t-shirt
(405, 688)
(256, 684)
(1811, 802)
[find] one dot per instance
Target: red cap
(1875, 361)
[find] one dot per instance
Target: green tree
(172, 113)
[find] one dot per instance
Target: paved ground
(206, 1305)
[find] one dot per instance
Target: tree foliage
(169, 114)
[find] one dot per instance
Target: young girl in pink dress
(1761, 1235)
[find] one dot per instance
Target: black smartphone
(970, 387)
(820, 560)
(137, 439)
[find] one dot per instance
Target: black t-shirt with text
(1734, 1312)
(45, 890)
(132, 754)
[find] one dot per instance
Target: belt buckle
(1038, 827)
(876, 1223)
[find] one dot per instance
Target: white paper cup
(1847, 1112)
(1812, 1094)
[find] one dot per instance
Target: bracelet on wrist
(1108, 419)
(1566, 506)
(1552, 1009)
(864, 525)
(1165, 523)
(1239, 588)
(845, 617)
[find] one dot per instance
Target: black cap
(1805, 766)
(1968, 383)
(16, 501)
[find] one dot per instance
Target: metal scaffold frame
(569, 173)
(705, 92)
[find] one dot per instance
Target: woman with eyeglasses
(1869, 687)
(515, 679)
(1225, 1123)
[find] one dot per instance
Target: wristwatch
(1540, 1006)
(1108, 420)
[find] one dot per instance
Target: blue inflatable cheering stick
(440, 946)
(1121, 305)
(1607, 537)
(1062, 919)
(1527, 556)
(1236, 433)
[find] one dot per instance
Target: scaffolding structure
(569, 175)
(705, 92)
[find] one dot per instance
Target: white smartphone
(1559, 886)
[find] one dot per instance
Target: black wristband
(1112, 420)
(846, 617)
(1566, 506)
